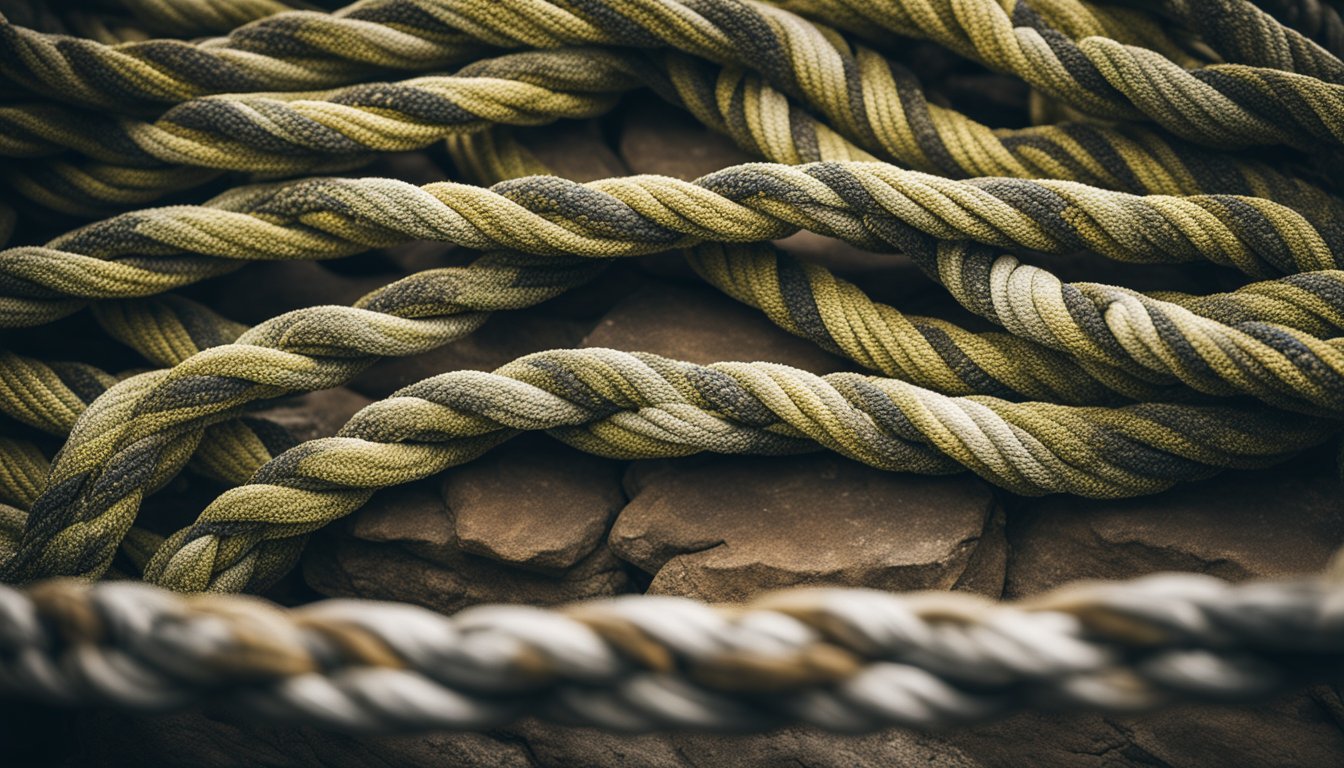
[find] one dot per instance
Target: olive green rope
(1222, 105)
(1123, 343)
(640, 406)
(873, 103)
(871, 205)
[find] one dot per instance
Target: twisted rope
(1222, 105)
(868, 204)
(1090, 389)
(642, 406)
(1117, 338)
(839, 659)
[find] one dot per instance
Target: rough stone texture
(315, 414)
(574, 150)
(1265, 523)
(535, 503)
(728, 528)
(504, 337)
(660, 139)
(403, 546)
(1285, 520)
(701, 325)
(264, 289)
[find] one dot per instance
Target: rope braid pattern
(1089, 389)
(413, 315)
(1225, 105)
(643, 406)
(868, 204)
(1221, 105)
(840, 659)
(939, 339)
(292, 51)
(870, 101)
(1317, 19)
(1109, 344)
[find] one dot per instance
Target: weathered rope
(302, 51)
(1137, 341)
(262, 133)
(642, 406)
(1222, 105)
(293, 51)
(1088, 389)
(1317, 19)
(839, 659)
(869, 204)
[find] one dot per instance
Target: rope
(838, 659)
(257, 133)
(868, 204)
(1082, 388)
(642, 406)
(1221, 105)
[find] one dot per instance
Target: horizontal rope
(1136, 343)
(642, 406)
(867, 204)
(839, 659)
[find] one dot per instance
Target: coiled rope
(1088, 389)
(849, 660)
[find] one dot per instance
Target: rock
(1235, 526)
(534, 503)
(403, 546)
(700, 325)
(1264, 523)
(315, 414)
(264, 289)
(574, 150)
(556, 746)
(201, 741)
(729, 527)
(1289, 731)
(504, 337)
(661, 139)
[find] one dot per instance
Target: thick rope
(1139, 342)
(868, 204)
(839, 659)
(1220, 105)
(258, 133)
(642, 406)
(302, 51)
(1089, 389)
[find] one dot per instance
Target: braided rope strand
(867, 204)
(839, 659)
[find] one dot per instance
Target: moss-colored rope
(897, 123)
(1118, 341)
(132, 419)
(632, 406)
(1221, 105)
(868, 204)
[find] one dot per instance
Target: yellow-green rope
(1088, 389)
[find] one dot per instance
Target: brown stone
(534, 503)
(315, 414)
(660, 139)
(700, 325)
(574, 150)
(504, 337)
(402, 546)
(1272, 522)
(730, 527)
(262, 290)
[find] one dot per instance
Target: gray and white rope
(840, 659)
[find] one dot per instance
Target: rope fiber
(1199, 138)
